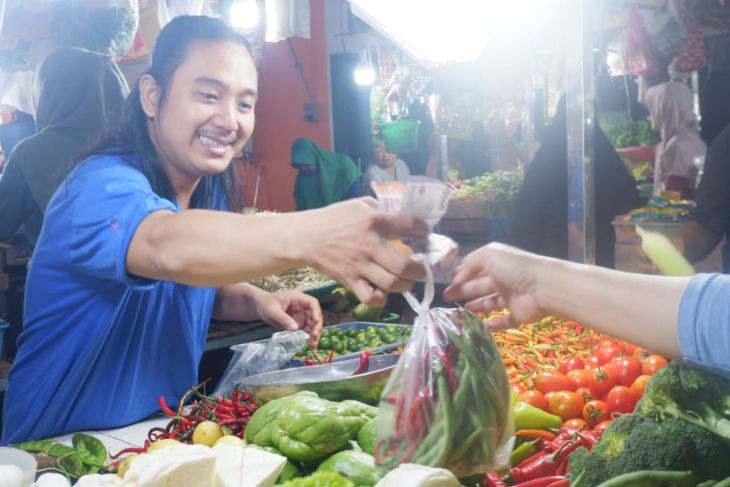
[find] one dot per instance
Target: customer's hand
(291, 310)
(350, 242)
(498, 276)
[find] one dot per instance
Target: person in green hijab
(324, 177)
(78, 95)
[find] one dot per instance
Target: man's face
(383, 158)
(207, 115)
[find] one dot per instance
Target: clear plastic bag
(259, 357)
(447, 403)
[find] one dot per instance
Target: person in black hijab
(78, 95)
(540, 218)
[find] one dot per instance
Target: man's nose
(227, 117)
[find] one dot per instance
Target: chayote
(367, 437)
(261, 424)
(355, 465)
(320, 479)
(307, 428)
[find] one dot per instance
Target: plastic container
(401, 136)
(22, 459)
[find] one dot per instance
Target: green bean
(448, 415)
(468, 443)
(651, 478)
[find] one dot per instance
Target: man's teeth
(209, 142)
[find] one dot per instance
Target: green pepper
(529, 417)
(522, 452)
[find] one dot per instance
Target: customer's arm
(640, 308)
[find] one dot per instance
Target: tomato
(595, 411)
(629, 348)
(591, 362)
(600, 427)
(580, 378)
(566, 404)
(571, 363)
(602, 382)
(550, 381)
(534, 398)
(517, 388)
(640, 354)
(575, 424)
(624, 370)
(608, 342)
(640, 384)
(604, 354)
(621, 399)
(652, 364)
(585, 393)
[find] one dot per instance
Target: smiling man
(138, 250)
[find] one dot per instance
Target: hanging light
(244, 14)
(364, 72)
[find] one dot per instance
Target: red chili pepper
(542, 481)
(134, 449)
(493, 479)
(364, 361)
(539, 465)
(560, 483)
(165, 408)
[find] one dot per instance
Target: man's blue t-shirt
(100, 346)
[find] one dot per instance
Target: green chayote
(308, 428)
(355, 465)
(320, 479)
(259, 428)
(367, 437)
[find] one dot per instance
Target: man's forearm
(237, 302)
(637, 308)
(212, 248)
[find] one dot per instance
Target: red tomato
(591, 362)
(640, 384)
(608, 342)
(585, 393)
(580, 378)
(517, 388)
(550, 381)
(625, 370)
(604, 354)
(600, 427)
(652, 364)
(629, 348)
(602, 382)
(534, 398)
(595, 411)
(640, 354)
(621, 399)
(571, 363)
(566, 404)
(575, 424)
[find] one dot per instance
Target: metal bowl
(333, 381)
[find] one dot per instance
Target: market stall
(443, 399)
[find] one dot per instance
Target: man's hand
(291, 310)
(351, 242)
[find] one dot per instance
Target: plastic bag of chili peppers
(447, 402)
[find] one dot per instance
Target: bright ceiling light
(364, 75)
(244, 14)
(438, 32)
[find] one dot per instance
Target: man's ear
(149, 95)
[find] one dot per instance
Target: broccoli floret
(673, 444)
(690, 394)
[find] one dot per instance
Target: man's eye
(208, 96)
(245, 106)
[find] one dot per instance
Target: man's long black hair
(132, 136)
